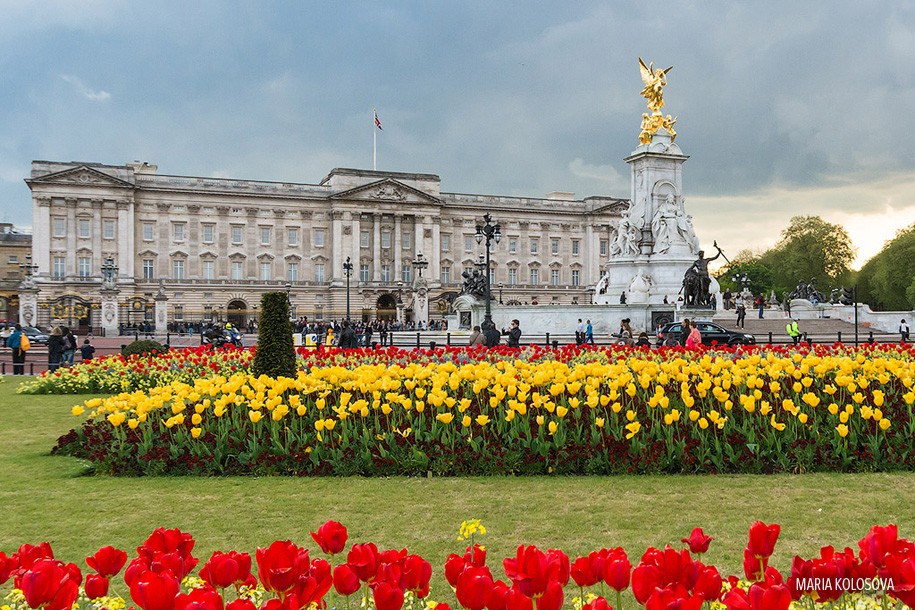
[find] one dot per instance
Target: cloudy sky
(785, 107)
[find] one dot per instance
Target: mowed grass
(50, 498)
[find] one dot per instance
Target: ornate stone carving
(389, 192)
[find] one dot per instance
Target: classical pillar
(435, 254)
(126, 239)
(109, 308)
(592, 256)
(336, 259)
(41, 235)
(376, 248)
(398, 249)
(72, 268)
(98, 254)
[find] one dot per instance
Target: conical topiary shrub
(275, 356)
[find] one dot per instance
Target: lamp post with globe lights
(488, 232)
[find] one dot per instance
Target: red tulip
(345, 580)
(241, 604)
(675, 597)
(313, 583)
(497, 598)
(531, 569)
(96, 586)
(226, 569)
(708, 583)
(776, 597)
(331, 537)
(417, 572)
(171, 548)
(7, 565)
(582, 572)
(516, 600)
(552, 598)
(645, 579)
(473, 588)
(50, 584)
(597, 604)
(155, 591)
(762, 539)
(901, 570)
(387, 596)
(203, 598)
(363, 559)
(877, 543)
(278, 565)
(454, 565)
(753, 567)
(698, 542)
(441, 606)
(107, 561)
(617, 569)
(27, 554)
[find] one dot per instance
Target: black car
(35, 335)
(712, 334)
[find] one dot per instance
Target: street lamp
(501, 286)
(489, 232)
(109, 271)
(28, 270)
(420, 263)
(348, 272)
(742, 281)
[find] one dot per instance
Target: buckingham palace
(126, 243)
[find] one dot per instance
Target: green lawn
(47, 498)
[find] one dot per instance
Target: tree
(810, 248)
(760, 275)
(887, 281)
(275, 356)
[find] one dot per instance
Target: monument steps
(820, 329)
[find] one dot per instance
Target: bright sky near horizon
(785, 108)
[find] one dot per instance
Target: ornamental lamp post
(488, 232)
(27, 269)
(501, 286)
(420, 263)
(348, 272)
(109, 272)
(288, 287)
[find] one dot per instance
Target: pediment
(617, 206)
(387, 190)
(82, 175)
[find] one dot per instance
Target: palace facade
(206, 249)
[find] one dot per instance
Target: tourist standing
(579, 332)
(476, 337)
(87, 351)
(514, 334)
(491, 334)
(741, 314)
(694, 339)
(56, 345)
(14, 342)
(904, 331)
(685, 327)
(761, 303)
(726, 297)
(70, 346)
(793, 331)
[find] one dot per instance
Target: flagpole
(374, 142)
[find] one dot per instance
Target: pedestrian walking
(16, 342)
(904, 331)
(741, 314)
(589, 333)
(476, 337)
(56, 345)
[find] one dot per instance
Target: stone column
(336, 259)
(109, 305)
(435, 254)
(376, 248)
(41, 235)
(71, 268)
(398, 250)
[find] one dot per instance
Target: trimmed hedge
(275, 355)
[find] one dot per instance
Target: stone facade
(207, 248)
(15, 255)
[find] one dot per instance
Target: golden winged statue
(655, 80)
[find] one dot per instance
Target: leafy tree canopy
(887, 281)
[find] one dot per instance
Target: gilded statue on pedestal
(655, 80)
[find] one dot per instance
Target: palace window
(238, 234)
(265, 236)
(406, 271)
(406, 240)
(84, 264)
(178, 269)
(385, 239)
(576, 277)
(149, 267)
(554, 246)
(319, 272)
(209, 270)
(108, 229)
(535, 276)
(468, 243)
(535, 245)
(576, 246)
(238, 270)
(445, 274)
(513, 245)
(319, 238)
(209, 233)
(604, 245)
(148, 231)
(363, 239)
(59, 227)
(179, 312)
(554, 277)
(178, 231)
(292, 272)
(60, 267)
(512, 276)
(266, 274)
(84, 226)
(292, 236)
(386, 273)
(446, 243)
(363, 272)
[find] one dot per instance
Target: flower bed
(574, 411)
(285, 576)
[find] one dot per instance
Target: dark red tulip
(531, 569)
(387, 596)
(363, 559)
(331, 537)
(278, 565)
(346, 582)
(698, 542)
(516, 600)
(155, 591)
(27, 554)
(7, 565)
(675, 597)
(496, 600)
(583, 574)
(877, 543)
(241, 604)
(708, 583)
(96, 586)
(597, 604)
(226, 569)
(313, 583)
(645, 579)
(736, 599)
(754, 568)
(473, 588)
(762, 539)
(50, 584)
(204, 598)
(454, 565)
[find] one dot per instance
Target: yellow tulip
(116, 419)
(196, 419)
(77, 411)
(553, 427)
(319, 425)
(445, 418)
(842, 430)
(633, 429)
(132, 423)
(561, 412)
(195, 432)
(466, 421)
(255, 416)
(540, 420)
(482, 420)
(599, 422)
(884, 424)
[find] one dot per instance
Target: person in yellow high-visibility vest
(793, 331)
